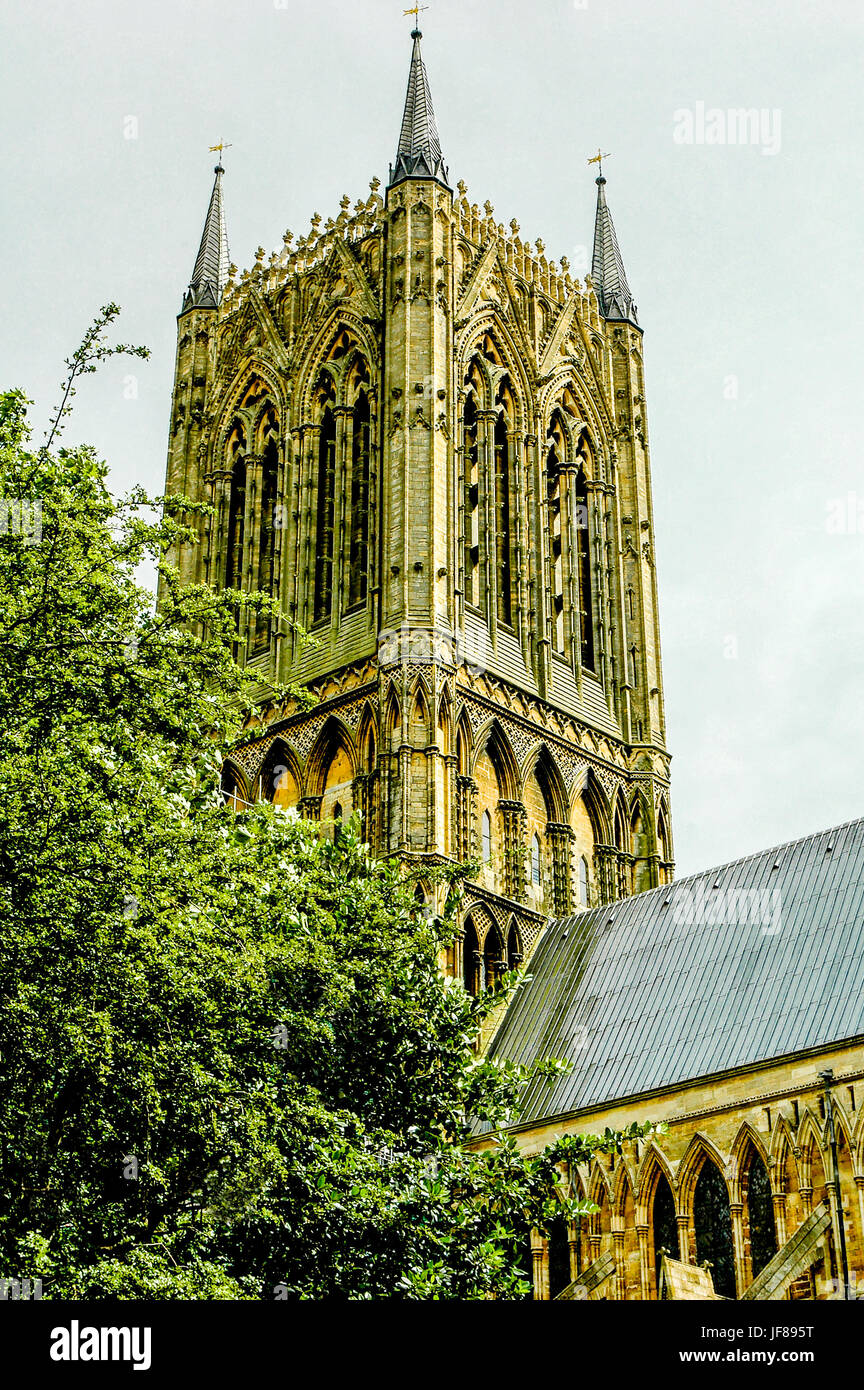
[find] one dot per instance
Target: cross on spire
(598, 159)
(220, 147)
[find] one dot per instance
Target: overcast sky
(745, 260)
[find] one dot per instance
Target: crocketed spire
(419, 153)
(607, 266)
(211, 266)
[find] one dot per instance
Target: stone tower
(428, 442)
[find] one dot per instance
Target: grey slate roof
(607, 265)
(211, 265)
(419, 153)
(734, 966)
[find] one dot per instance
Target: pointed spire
(419, 153)
(211, 266)
(607, 266)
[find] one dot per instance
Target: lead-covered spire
(419, 154)
(607, 267)
(211, 266)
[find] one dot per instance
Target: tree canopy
(230, 1066)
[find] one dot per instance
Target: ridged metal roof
(758, 959)
(419, 154)
(607, 265)
(211, 264)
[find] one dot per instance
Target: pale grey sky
(746, 267)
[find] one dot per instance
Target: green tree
(229, 1064)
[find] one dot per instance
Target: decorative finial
(598, 159)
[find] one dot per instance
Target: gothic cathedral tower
(428, 442)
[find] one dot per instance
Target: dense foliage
(229, 1065)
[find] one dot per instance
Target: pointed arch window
(486, 836)
(712, 1220)
(502, 520)
(559, 1257)
(493, 958)
(586, 598)
(325, 516)
(664, 1225)
(554, 459)
(470, 454)
(267, 536)
(514, 948)
(535, 860)
(471, 959)
(582, 885)
(760, 1215)
(236, 525)
(358, 564)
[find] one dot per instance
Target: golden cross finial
(598, 159)
(416, 12)
(220, 147)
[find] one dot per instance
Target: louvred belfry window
(325, 516)
(502, 520)
(472, 502)
(586, 599)
(267, 536)
(554, 459)
(359, 552)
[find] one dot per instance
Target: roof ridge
(702, 873)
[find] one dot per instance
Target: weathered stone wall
(775, 1113)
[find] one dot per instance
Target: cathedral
(426, 442)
